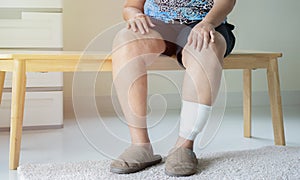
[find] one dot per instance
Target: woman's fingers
(206, 39)
(190, 39)
(195, 40)
(140, 23)
(145, 25)
(203, 33)
(200, 39)
(149, 21)
(128, 25)
(133, 26)
(212, 35)
(199, 42)
(140, 26)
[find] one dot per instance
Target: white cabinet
(33, 25)
(40, 80)
(32, 30)
(31, 4)
(43, 110)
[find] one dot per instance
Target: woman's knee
(218, 47)
(151, 42)
(215, 50)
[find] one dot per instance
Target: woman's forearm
(219, 12)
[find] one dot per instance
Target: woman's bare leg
(131, 53)
(202, 77)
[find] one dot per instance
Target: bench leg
(17, 111)
(247, 102)
(275, 101)
(2, 78)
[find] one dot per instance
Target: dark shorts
(176, 35)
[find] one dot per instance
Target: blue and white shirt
(168, 10)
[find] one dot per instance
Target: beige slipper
(181, 162)
(134, 159)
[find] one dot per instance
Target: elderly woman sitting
(197, 32)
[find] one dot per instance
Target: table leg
(247, 102)
(17, 111)
(2, 78)
(275, 102)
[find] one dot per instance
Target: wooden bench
(21, 62)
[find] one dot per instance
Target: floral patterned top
(168, 10)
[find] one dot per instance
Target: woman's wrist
(211, 22)
(131, 12)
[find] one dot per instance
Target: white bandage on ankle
(193, 119)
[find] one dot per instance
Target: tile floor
(87, 138)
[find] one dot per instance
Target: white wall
(83, 21)
(268, 25)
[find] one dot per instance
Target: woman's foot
(134, 159)
(181, 161)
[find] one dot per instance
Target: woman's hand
(201, 35)
(139, 23)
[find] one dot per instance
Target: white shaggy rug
(271, 162)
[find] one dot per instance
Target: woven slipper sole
(156, 159)
(179, 175)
